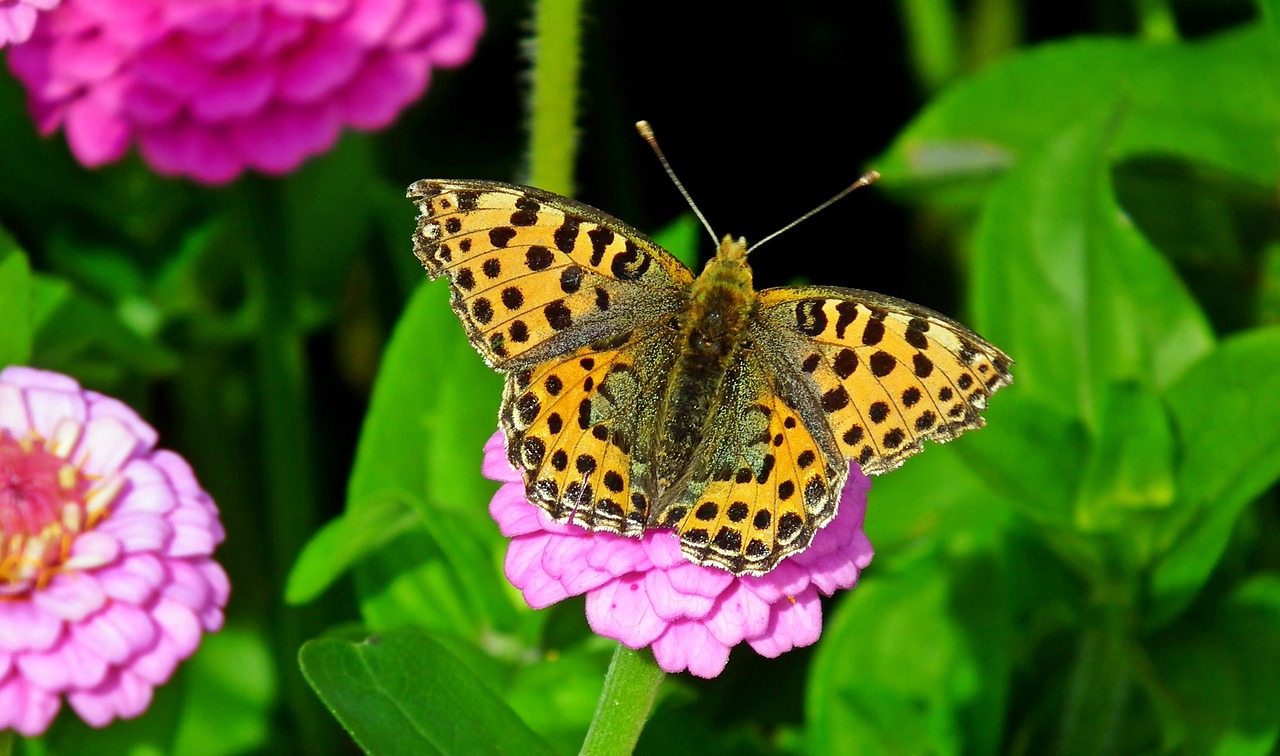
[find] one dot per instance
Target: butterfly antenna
(866, 178)
(646, 133)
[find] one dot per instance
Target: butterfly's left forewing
(575, 306)
(887, 374)
(535, 275)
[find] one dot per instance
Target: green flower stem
(631, 685)
(6, 742)
(288, 459)
(933, 47)
(1156, 21)
(630, 690)
(553, 98)
(994, 29)
(1099, 688)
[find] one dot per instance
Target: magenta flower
(106, 580)
(18, 19)
(210, 88)
(643, 592)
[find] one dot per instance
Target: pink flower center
(45, 502)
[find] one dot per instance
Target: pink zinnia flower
(643, 592)
(106, 582)
(18, 18)
(210, 88)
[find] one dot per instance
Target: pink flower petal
(208, 89)
(138, 532)
(792, 625)
(689, 645)
(116, 634)
(70, 597)
(621, 610)
(105, 621)
(13, 412)
(123, 695)
(644, 592)
(23, 627)
(26, 708)
(135, 580)
(67, 666)
(16, 23)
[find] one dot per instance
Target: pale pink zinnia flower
(643, 592)
(210, 88)
(106, 580)
(18, 19)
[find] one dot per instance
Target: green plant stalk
(6, 742)
(630, 690)
(1156, 22)
(553, 96)
(994, 30)
(933, 46)
(632, 682)
(1099, 688)
(283, 395)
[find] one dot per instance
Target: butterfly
(638, 395)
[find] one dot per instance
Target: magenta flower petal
(18, 19)
(691, 646)
(70, 597)
(210, 88)
(106, 581)
(620, 609)
(793, 625)
(643, 592)
(23, 627)
(67, 666)
(26, 708)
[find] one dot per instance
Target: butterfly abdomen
(712, 332)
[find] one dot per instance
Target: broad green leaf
(1215, 101)
(15, 298)
(77, 335)
(408, 583)
(1030, 453)
(421, 448)
(1070, 289)
(1224, 410)
(913, 663)
(404, 693)
(367, 525)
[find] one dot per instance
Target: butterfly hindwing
(762, 483)
(887, 374)
(580, 428)
(535, 275)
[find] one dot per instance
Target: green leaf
(15, 298)
(1225, 411)
(1215, 101)
(1070, 289)
(404, 693)
(432, 410)
(77, 335)
(367, 525)
(913, 663)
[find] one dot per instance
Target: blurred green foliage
(1098, 571)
